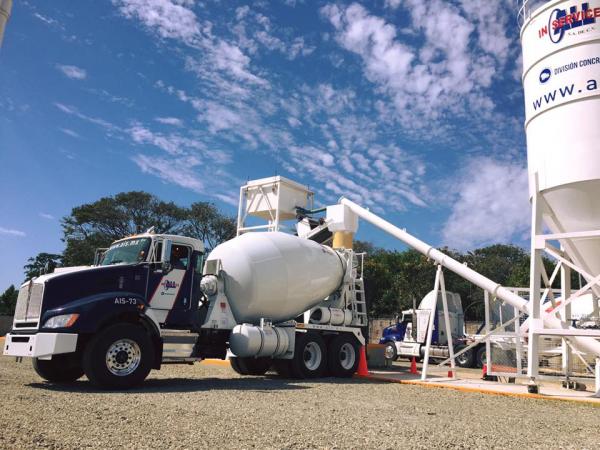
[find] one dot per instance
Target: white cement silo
(561, 79)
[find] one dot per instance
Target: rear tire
(119, 357)
(466, 359)
(480, 357)
(343, 356)
(283, 367)
(310, 356)
(60, 369)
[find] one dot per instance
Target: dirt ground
(209, 406)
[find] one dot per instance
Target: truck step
(178, 344)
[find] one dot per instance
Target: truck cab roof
(196, 244)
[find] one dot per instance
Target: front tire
(389, 352)
(60, 369)
(343, 354)
(310, 356)
(119, 357)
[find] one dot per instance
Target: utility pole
(5, 7)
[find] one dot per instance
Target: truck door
(171, 290)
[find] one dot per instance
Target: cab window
(157, 252)
(199, 266)
(180, 256)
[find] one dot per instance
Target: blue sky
(413, 109)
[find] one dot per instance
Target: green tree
(393, 279)
(206, 223)
(37, 266)
(8, 301)
(97, 224)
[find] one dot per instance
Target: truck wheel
(251, 366)
(59, 369)
(480, 357)
(237, 366)
(390, 352)
(466, 359)
(343, 354)
(283, 367)
(119, 357)
(257, 366)
(310, 356)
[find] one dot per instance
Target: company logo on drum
(561, 21)
(545, 75)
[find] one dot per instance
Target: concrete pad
(468, 383)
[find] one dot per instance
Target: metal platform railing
(527, 7)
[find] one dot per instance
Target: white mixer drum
(561, 79)
(276, 275)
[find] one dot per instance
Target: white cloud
(491, 206)
(45, 19)
(71, 110)
(73, 72)
(169, 121)
(189, 172)
(170, 19)
(437, 75)
(46, 216)
(315, 132)
(69, 132)
(12, 232)
(179, 171)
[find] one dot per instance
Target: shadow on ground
(154, 385)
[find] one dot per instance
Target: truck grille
(29, 302)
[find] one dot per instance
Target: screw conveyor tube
(584, 344)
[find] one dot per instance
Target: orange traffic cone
(413, 366)
(450, 373)
(363, 370)
(484, 372)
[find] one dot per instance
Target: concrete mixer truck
(270, 298)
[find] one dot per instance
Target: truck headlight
(62, 321)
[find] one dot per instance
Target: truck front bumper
(40, 345)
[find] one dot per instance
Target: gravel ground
(207, 406)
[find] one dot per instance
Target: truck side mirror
(165, 257)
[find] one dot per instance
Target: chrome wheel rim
(388, 352)
(312, 356)
(347, 356)
(123, 357)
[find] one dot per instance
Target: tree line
(393, 279)
(396, 279)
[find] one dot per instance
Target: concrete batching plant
(561, 72)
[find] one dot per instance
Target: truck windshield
(130, 251)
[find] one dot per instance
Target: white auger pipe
(585, 344)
